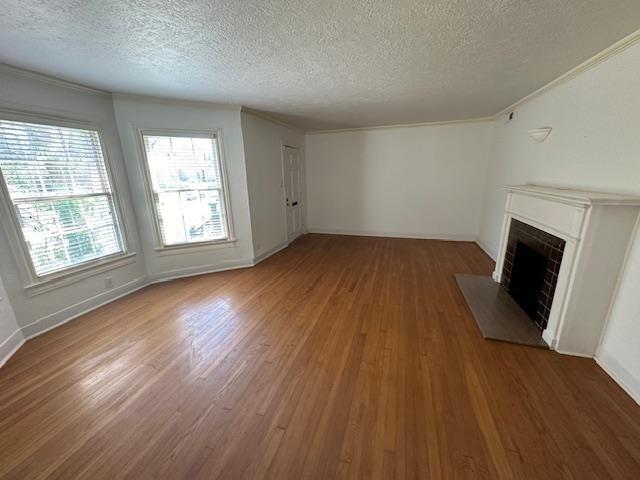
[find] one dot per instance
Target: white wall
(619, 352)
(45, 310)
(595, 144)
(263, 141)
(135, 113)
(421, 181)
(10, 334)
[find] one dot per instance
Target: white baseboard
(10, 346)
(264, 255)
(546, 336)
(622, 376)
(455, 237)
(67, 314)
(486, 250)
(199, 270)
(219, 267)
(53, 320)
(573, 354)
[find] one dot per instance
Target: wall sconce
(540, 134)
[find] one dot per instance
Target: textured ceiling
(317, 63)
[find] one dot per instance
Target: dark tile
(547, 245)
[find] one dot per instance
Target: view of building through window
(186, 181)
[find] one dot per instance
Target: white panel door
(292, 191)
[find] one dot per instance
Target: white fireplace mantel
(597, 228)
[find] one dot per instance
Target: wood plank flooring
(339, 357)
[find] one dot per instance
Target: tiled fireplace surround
(547, 245)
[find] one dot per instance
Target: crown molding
(175, 101)
(598, 58)
(22, 72)
(401, 125)
(270, 118)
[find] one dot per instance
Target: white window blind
(58, 185)
(186, 182)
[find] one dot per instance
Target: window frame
(214, 134)
(15, 236)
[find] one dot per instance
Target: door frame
(283, 146)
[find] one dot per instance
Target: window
(186, 180)
(57, 182)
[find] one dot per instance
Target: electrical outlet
(108, 283)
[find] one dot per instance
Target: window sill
(63, 279)
(185, 248)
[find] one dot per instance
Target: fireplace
(561, 252)
(584, 237)
(531, 267)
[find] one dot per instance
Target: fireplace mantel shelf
(576, 197)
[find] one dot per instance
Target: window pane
(65, 232)
(45, 161)
(181, 163)
(171, 220)
(203, 215)
(58, 183)
(187, 184)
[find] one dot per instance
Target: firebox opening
(531, 268)
(527, 278)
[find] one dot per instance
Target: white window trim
(33, 282)
(160, 248)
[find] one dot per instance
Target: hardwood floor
(340, 357)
